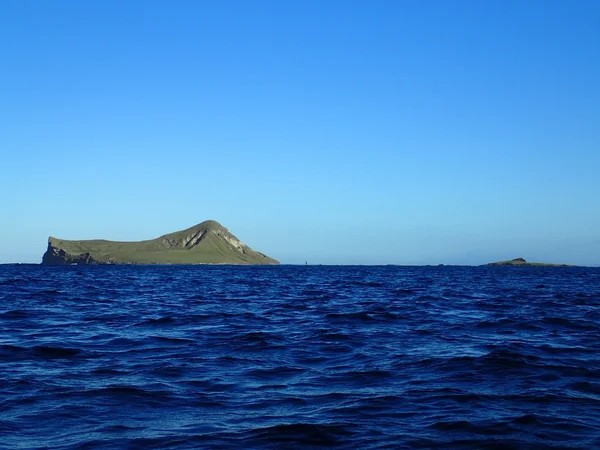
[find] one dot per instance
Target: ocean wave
(309, 357)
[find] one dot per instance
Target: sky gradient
(338, 132)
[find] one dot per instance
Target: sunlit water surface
(294, 357)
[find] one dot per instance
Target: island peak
(208, 242)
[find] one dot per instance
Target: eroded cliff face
(56, 256)
(196, 236)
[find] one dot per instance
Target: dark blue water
(299, 357)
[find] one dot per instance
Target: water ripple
(299, 357)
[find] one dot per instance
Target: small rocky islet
(521, 262)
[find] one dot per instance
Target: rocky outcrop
(521, 262)
(55, 256)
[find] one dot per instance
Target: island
(520, 262)
(206, 243)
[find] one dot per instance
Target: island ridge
(206, 243)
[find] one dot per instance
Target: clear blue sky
(408, 132)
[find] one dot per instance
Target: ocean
(270, 357)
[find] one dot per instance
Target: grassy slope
(210, 250)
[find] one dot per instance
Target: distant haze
(388, 132)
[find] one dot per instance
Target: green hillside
(206, 243)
